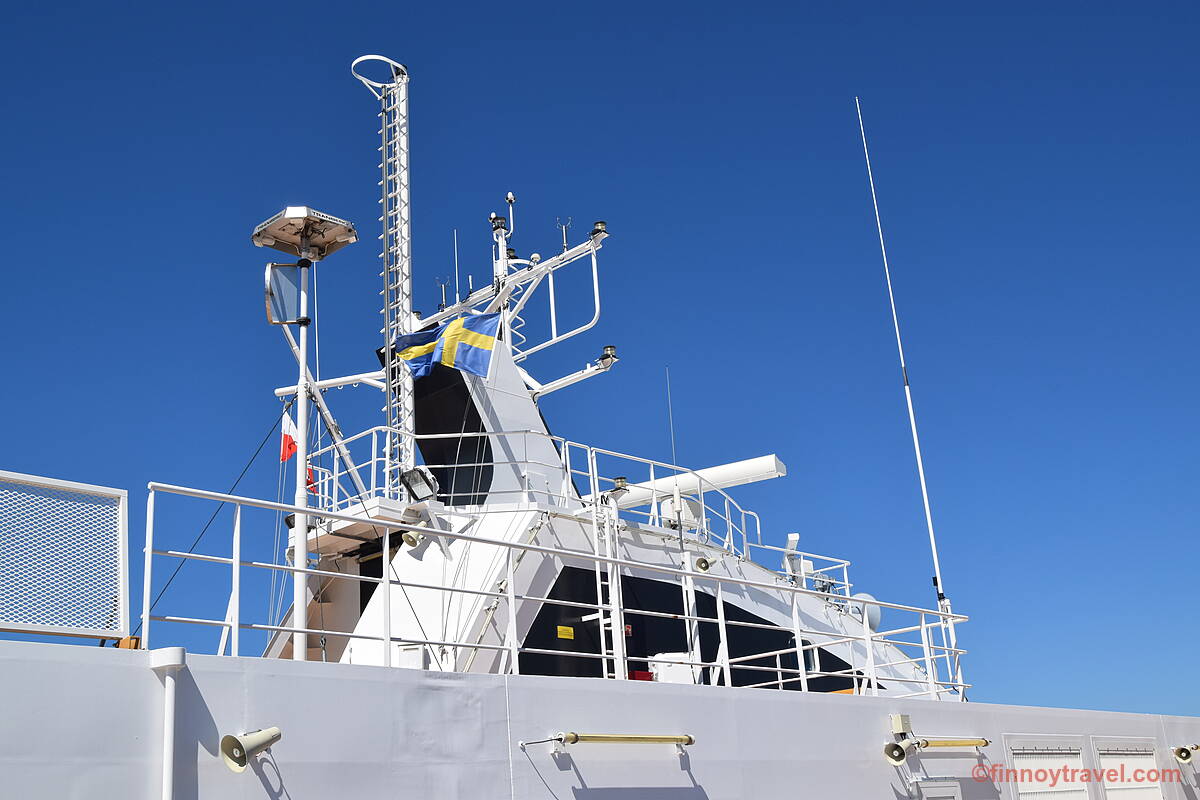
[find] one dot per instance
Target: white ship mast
(396, 215)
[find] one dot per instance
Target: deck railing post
(655, 515)
(730, 535)
(958, 678)
(146, 582)
(723, 647)
(869, 641)
(235, 588)
(929, 663)
(385, 571)
(691, 625)
(801, 653)
(514, 644)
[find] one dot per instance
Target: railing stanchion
(386, 586)
(514, 644)
(957, 675)
(929, 664)
(801, 652)
(691, 625)
(146, 582)
(655, 515)
(869, 641)
(235, 589)
(730, 532)
(723, 647)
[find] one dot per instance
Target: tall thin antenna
(671, 416)
(912, 416)
(457, 295)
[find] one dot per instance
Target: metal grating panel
(62, 557)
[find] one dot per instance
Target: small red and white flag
(287, 447)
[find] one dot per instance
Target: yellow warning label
(566, 632)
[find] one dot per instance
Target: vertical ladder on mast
(396, 217)
(608, 592)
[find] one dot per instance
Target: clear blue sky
(1036, 170)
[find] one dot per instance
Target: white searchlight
(236, 751)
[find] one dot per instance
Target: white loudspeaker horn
(1184, 755)
(896, 753)
(236, 751)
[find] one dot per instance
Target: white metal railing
(920, 657)
(708, 512)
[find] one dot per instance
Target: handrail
(921, 669)
(563, 446)
(404, 526)
(626, 738)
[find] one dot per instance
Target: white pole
(235, 589)
(457, 292)
(300, 529)
(396, 215)
(386, 588)
(146, 574)
(912, 416)
(167, 662)
(168, 735)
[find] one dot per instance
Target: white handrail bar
(868, 675)
(829, 639)
(401, 526)
(542, 434)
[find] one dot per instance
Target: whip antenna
(912, 416)
(457, 293)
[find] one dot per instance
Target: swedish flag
(465, 343)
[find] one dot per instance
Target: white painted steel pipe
(166, 662)
(370, 378)
(570, 737)
(300, 528)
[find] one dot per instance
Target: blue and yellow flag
(465, 343)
